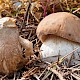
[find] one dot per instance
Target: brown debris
(35, 68)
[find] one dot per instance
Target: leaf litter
(28, 14)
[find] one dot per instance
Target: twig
(75, 66)
(26, 14)
(67, 4)
(57, 73)
(76, 77)
(46, 75)
(28, 18)
(31, 10)
(76, 10)
(42, 72)
(61, 5)
(22, 79)
(30, 34)
(69, 61)
(36, 77)
(52, 77)
(73, 69)
(34, 59)
(30, 72)
(2, 78)
(14, 76)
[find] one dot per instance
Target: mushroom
(60, 34)
(11, 57)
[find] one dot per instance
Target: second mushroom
(59, 33)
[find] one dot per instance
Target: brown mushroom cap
(11, 58)
(62, 24)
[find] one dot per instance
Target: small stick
(26, 14)
(36, 77)
(76, 77)
(30, 72)
(75, 66)
(76, 10)
(3, 77)
(30, 34)
(42, 72)
(14, 76)
(48, 73)
(73, 69)
(52, 77)
(57, 73)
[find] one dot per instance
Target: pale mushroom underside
(57, 46)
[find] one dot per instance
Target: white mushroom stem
(56, 45)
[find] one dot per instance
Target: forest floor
(28, 15)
